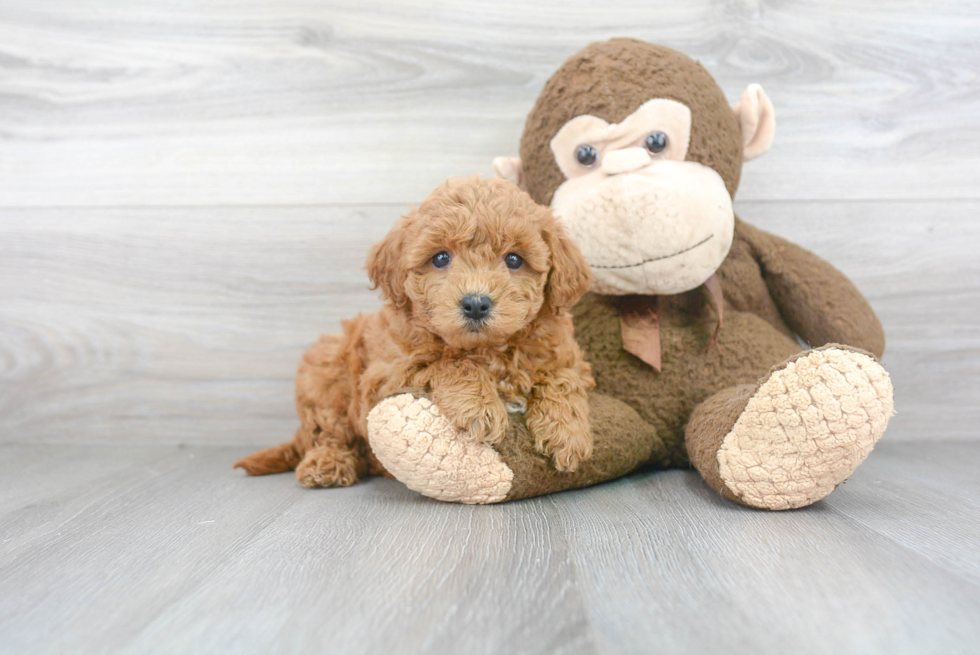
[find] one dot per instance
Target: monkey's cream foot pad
(806, 428)
(418, 446)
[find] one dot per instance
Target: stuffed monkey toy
(695, 320)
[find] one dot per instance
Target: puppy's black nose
(476, 307)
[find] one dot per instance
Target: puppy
(477, 282)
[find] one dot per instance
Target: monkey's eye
(586, 155)
(655, 143)
(441, 259)
(513, 261)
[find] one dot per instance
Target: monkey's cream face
(647, 221)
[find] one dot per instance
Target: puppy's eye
(441, 259)
(586, 155)
(655, 143)
(513, 261)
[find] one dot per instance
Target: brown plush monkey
(693, 322)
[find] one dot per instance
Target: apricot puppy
(477, 282)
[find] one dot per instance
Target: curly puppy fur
(521, 353)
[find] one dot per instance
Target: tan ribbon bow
(641, 328)
(640, 325)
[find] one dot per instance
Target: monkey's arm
(818, 302)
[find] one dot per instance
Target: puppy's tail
(277, 459)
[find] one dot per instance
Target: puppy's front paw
(567, 449)
(562, 431)
(490, 425)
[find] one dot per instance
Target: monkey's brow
(656, 259)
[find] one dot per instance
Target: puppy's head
(477, 262)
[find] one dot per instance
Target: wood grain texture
(186, 324)
(161, 274)
(296, 102)
(166, 549)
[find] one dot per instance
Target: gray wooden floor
(165, 549)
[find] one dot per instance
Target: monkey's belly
(746, 349)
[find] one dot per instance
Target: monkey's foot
(802, 431)
(420, 448)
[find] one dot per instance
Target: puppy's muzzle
(476, 307)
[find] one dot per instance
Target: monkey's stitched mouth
(657, 259)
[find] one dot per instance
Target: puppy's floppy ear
(385, 266)
(570, 275)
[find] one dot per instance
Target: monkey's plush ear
(570, 275)
(510, 169)
(385, 268)
(757, 118)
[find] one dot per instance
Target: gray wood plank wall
(187, 190)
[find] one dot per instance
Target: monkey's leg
(421, 449)
(794, 437)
